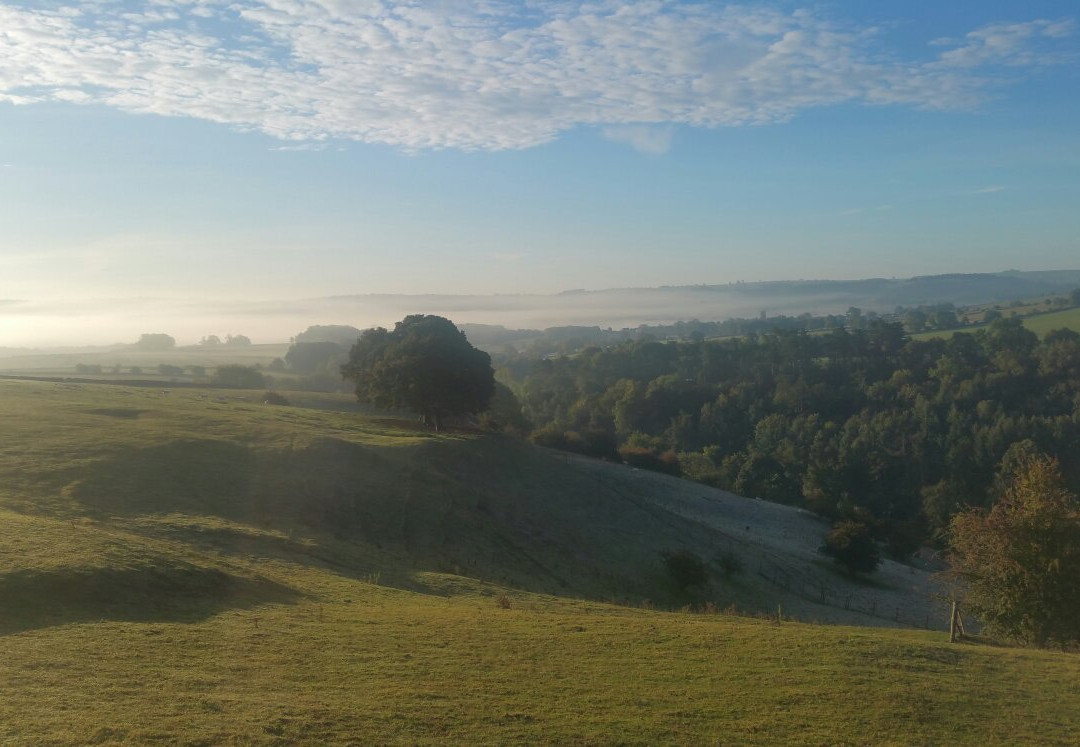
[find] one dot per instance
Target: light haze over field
(173, 161)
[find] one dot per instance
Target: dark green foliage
(685, 569)
(730, 563)
(310, 357)
(425, 365)
(166, 369)
(504, 413)
(1021, 560)
(590, 442)
(235, 376)
(902, 539)
(643, 458)
(851, 544)
(907, 431)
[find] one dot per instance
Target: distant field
(1040, 324)
(200, 568)
(1043, 323)
(126, 358)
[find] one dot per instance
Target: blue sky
(212, 149)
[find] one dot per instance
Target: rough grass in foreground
(342, 658)
(128, 616)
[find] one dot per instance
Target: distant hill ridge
(631, 307)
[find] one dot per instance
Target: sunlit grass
(351, 659)
(148, 361)
(1040, 324)
(141, 599)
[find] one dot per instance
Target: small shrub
(637, 456)
(238, 377)
(590, 442)
(685, 568)
(274, 398)
(730, 563)
(851, 544)
(504, 602)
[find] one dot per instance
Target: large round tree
(425, 365)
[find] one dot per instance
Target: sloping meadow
(185, 567)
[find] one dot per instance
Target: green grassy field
(184, 569)
(1043, 323)
(129, 356)
(1040, 324)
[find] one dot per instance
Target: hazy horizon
(118, 321)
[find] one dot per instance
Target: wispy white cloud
(484, 75)
(651, 140)
(293, 147)
(1012, 44)
(988, 190)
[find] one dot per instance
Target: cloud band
(482, 75)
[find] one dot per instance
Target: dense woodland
(865, 423)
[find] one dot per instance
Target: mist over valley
(29, 324)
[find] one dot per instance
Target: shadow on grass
(124, 413)
(191, 476)
(495, 510)
(34, 599)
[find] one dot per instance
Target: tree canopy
(1021, 560)
(342, 334)
(236, 376)
(866, 424)
(308, 357)
(425, 365)
(851, 545)
(155, 341)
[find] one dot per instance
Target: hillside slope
(183, 569)
(379, 496)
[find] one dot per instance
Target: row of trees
(899, 440)
(865, 424)
(159, 341)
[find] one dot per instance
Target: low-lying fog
(108, 322)
(104, 322)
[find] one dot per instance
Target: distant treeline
(864, 423)
(565, 340)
